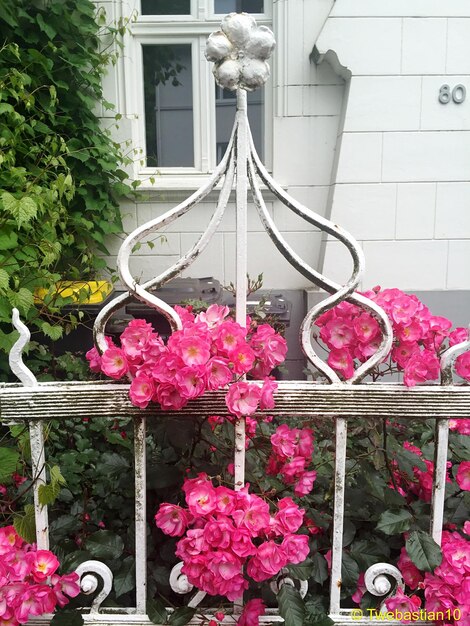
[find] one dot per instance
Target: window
(183, 120)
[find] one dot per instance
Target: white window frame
(182, 29)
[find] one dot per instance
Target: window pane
(166, 7)
(168, 89)
(228, 6)
(225, 106)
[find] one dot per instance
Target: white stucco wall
(402, 182)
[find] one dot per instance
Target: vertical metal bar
(241, 192)
(140, 514)
(241, 209)
(338, 514)
(439, 479)
(38, 460)
(241, 260)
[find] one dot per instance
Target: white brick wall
(403, 158)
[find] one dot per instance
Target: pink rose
(242, 399)
(172, 519)
(251, 613)
(114, 363)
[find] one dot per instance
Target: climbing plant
(61, 173)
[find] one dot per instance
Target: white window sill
(169, 188)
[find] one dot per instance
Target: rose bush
(29, 585)
(289, 468)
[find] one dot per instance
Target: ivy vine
(61, 173)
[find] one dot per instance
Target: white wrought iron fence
(344, 402)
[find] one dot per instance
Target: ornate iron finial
(239, 52)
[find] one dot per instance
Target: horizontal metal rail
(62, 400)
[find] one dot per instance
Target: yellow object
(97, 290)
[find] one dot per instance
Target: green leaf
(8, 240)
(48, 493)
(156, 611)
(46, 27)
(349, 570)
(8, 462)
(4, 279)
(25, 525)
(394, 522)
(291, 606)
(124, 580)
(112, 464)
(302, 571)
(22, 299)
(423, 551)
(23, 210)
(181, 616)
(320, 570)
(53, 332)
(104, 544)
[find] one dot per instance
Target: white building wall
(360, 137)
(402, 182)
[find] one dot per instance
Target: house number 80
(457, 94)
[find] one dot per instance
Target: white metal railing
(342, 400)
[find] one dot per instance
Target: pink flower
(64, 586)
(225, 500)
(141, 390)
(172, 519)
(337, 333)
(267, 392)
(242, 399)
(191, 381)
(44, 565)
(225, 565)
(242, 358)
(304, 484)
(193, 349)
(289, 517)
(228, 336)
(403, 309)
(201, 499)
(411, 574)
(401, 604)
(214, 316)
(403, 352)
(218, 373)
(305, 445)
(284, 441)
(462, 365)
(251, 512)
(422, 366)
(463, 476)
(462, 426)
(242, 544)
(135, 337)
(218, 533)
(251, 613)
(360, 590)
(296, 548)
(170, 397)
(458, 335)
(114, 363)
(270, 559)
(366, 328)
(341, 361)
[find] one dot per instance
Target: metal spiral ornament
(377, 580)
(90, 574)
